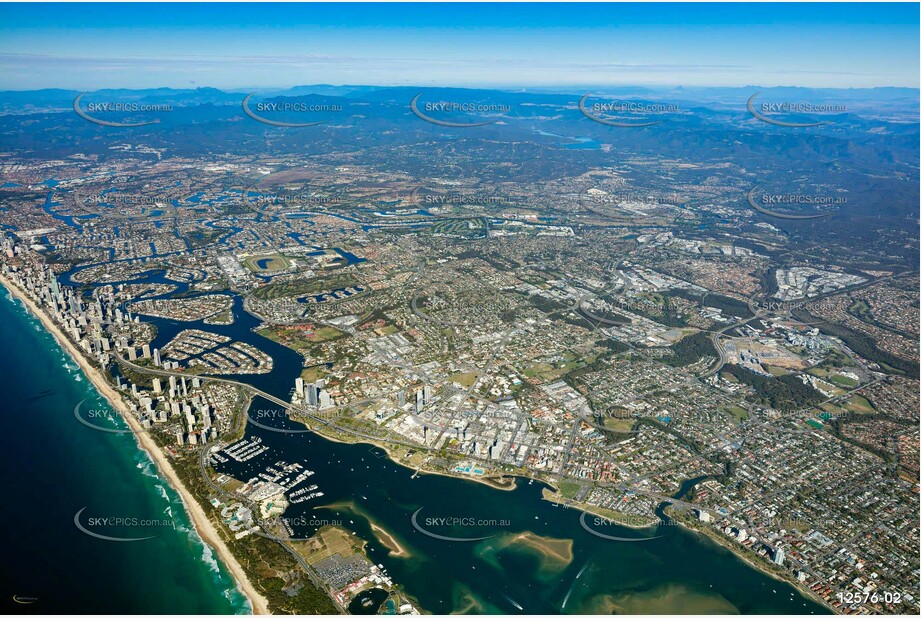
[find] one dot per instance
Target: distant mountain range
(13, 101)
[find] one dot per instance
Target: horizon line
(510, 88)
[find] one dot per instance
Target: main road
(287, 405)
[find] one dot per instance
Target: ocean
(54, 468)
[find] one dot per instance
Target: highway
(715, 339)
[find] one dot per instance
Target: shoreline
(316, 428)
(598, 511)
(726, 544)
(736, 550)
(203, 526)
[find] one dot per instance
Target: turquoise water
(53, 467)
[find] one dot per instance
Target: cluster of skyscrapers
(313, 394)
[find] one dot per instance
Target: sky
(249, 46)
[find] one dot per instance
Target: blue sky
(244, 46)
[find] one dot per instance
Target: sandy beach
(203, 525)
